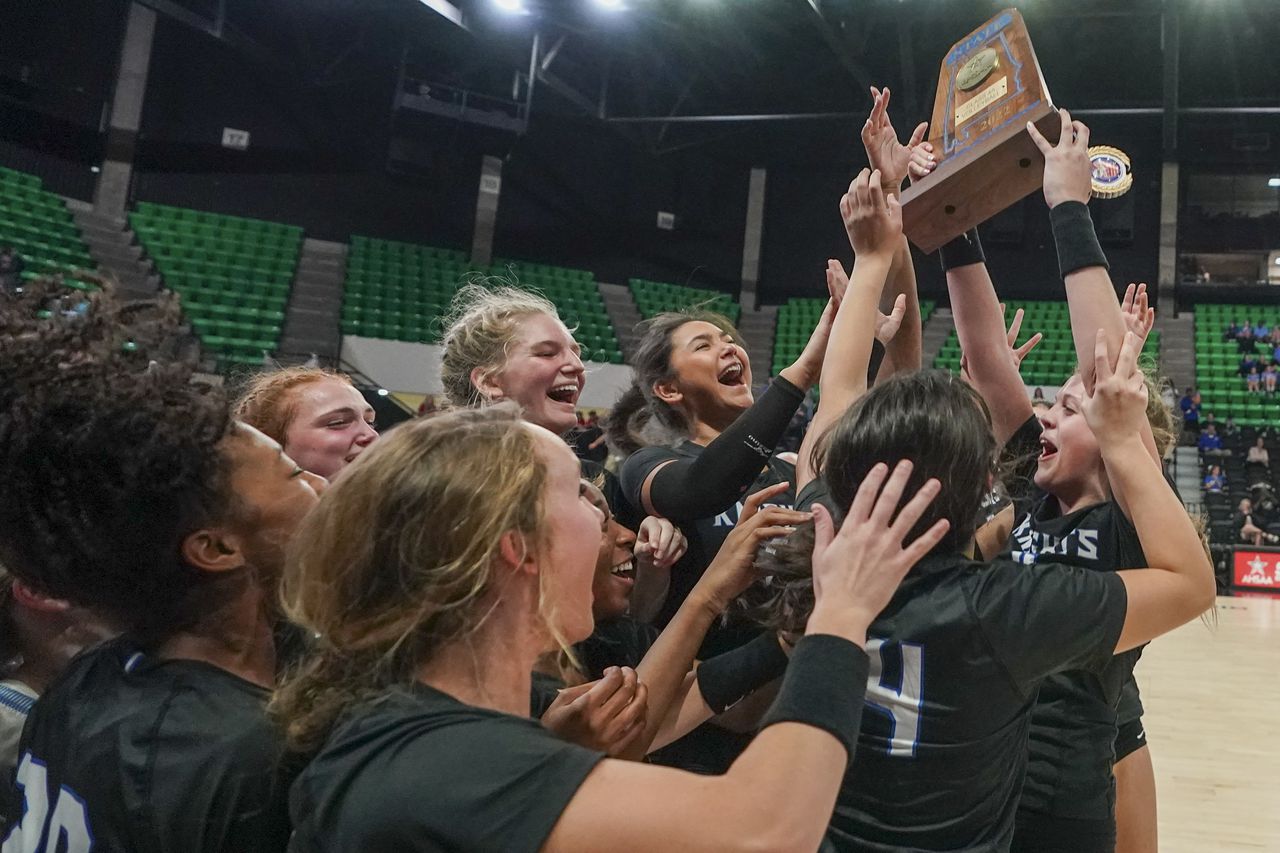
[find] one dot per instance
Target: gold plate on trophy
(989, 86)
(1112, 173)
(977, 69)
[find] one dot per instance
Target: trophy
(990, 86)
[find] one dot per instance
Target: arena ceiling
(667, 73)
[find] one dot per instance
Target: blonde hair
(398, 559)
(482, 323)
(268, 401)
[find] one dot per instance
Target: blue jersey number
(900, 702)
(67, 829)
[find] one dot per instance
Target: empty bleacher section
(1222, 388)
(1054, 360)
(37, 224)
(232, 273)
(401, 290)
(655, 297)
(796, 321)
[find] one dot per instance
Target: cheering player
(440, 567)
(128, 490)
(320, 419)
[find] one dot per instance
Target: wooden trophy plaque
(990, 86)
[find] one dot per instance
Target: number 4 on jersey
(900, 703)
(68, 821)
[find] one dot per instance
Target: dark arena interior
(807, 425)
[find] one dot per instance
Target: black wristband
(727, 678)
(1077, 242)
(962, 251)
(825, 685)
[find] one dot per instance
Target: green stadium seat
(238, 269)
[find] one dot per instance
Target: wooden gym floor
(1210, 696)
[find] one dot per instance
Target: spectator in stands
(1230, 431)
(1210, 442)
(1258, 454)
(11, 267)
(1190, 405)
(1244, 340)
(1248, 363)
(317, 415)
(1274, 337)
(1233, 331)
(1269, 378)
(1262, 332)
(1253, 381)
(1215, 481)
(1249, 532)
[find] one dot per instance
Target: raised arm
(874, 224)
(1091, 296)
(688, 489)
(979, 323)
(896, 162)
(780, 792)
(1179, 584)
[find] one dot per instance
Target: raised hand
(856, 571)
(872, 219)
(605, 715)
(1018, 353)
(887, 325)
(660, 542)
(1067, 172)
(894, 160)
(1138, 318)
(731, 572)
(1116, 406)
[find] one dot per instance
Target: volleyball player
(128, 490)
(439, 568)
(1072, 514)
(317, 415)
(961, 650)
(679, 697)
(504, 343)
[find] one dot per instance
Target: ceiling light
(382, 392)
(511, 7)
(611, 5)
(1273, 182)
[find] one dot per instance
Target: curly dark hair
(108, 457)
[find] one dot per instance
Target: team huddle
(253, 624)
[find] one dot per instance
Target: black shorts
(1130, 737)
(1037, 833)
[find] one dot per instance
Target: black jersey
(420, 771)
(126, 753)
(705, 535)
(956, 660)
(617, 642)
(627, 514)
(1073, 725)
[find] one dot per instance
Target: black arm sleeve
(725, 679)
(709, 484)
